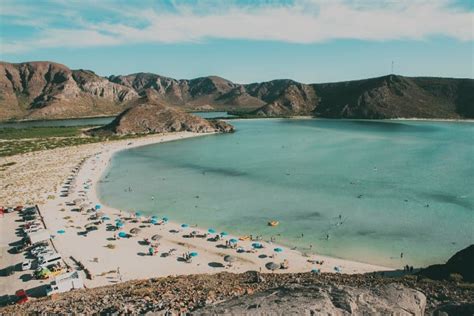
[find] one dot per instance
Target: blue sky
(245, 41)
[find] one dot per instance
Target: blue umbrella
(211, 231)
(119, 224)
(122, 234)
(278, 250)
(61, 231)
(154, 217)
(165, 219)
(257, 245)
(154, 221)
(97, 207)
(105, 218)
(317, 271)
(224, 234)
(184, 225)
(193, 254)
(138, 213)
(234, 241)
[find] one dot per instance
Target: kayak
(273, 223)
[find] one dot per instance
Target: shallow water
(57, 123)
(88, 121)
(399, 186)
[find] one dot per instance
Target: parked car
(21, 297)
(26, 265)
(32, 230)
(35, 251)
(31, 217)
(44, 253)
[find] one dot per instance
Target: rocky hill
(151, 116)
(39, 90)
(460, 265)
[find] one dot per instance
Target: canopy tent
(230, 259)
(155, 237)
(272, 266)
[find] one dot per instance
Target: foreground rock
(390, 299)
(213, 294)
(153, 117)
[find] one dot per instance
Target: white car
(26, 265)
(32, 230)
(48, 252)
(39, 249)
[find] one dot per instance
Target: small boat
(273, 223)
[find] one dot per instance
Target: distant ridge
(47, 90)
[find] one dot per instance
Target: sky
(245, 41)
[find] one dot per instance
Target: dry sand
(39, 175)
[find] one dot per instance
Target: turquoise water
(55, 123)
(399, 186)
(212, 114)
(88, 121)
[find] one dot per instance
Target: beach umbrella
(155, 237)
(230, 258)
(211, 231)
(122, 234)
(224, 234)
(233, 240)
(154, 217)
(61, 231)
(337, 269)
(317, 271)
(184, 225)
(278, 250)
(165, 219)
(154, 221)
(151, 250)
(97, 206)
(257, 245)
(138, 213)
(135, 230)
(272, 266)
(105, 218)
(193, 254)
(119, 224)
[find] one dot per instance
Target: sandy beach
(39, 177)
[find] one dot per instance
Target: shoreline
(39, 177)
(100, 261)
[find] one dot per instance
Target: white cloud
(304, 21)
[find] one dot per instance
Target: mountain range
(48, 90)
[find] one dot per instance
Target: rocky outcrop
(390, 299)
(50, 90)
(154, 117)
(255, 293)
(460, 265)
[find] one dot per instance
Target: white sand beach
(37, 177)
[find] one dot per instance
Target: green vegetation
(39, 132)
(15, 141)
